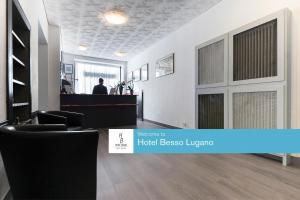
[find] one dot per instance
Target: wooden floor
(197, 177)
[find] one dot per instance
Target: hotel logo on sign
(120, 140)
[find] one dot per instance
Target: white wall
(171, 99)
(43, 71)
(53, 67)
(3, 180)
(43, 77)
(2, 61)
(35, 13)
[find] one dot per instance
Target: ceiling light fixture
(82, 47)
(116, 17)
(120, 53)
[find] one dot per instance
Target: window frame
(98, 63)
(281, 17)
(207, 91)
(279, 88)
(226, 54)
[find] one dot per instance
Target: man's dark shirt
(100, 89)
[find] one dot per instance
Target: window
(87, 76)
(211, 107)
(212, 62)
(254, 110)
(129, 76)
(255, 52)
(256, 106)
(211, 111)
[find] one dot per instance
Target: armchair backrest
(46, 118)
(50, 165)
(38, 127)
(71, 119)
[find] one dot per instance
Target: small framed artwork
(165, 66)
(129, 76)
(144, 72)
(68, 68)
(137, 75)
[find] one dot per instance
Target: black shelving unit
(18, 64)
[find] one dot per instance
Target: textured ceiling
(149, 21)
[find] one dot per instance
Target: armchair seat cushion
(75, 128)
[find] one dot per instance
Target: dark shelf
(18, 82)
(16, 37)
(18, 61)
(16, 105)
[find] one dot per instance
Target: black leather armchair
(74, 121)
(49, 164)
(38, 127)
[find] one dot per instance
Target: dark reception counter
(102, 111)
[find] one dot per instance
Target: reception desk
(102, 111)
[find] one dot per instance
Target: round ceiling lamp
(82, 47)
(120, 53)
(116, 17)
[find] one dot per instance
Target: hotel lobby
(72, 70)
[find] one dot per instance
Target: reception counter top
(102, 111)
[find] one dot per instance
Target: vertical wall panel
(255, 110)
(211, 111)
(255, 52)
(211, 63)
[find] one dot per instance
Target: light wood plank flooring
(192, 177)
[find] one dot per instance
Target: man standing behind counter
(100, 89)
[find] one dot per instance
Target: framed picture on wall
(68, 68)
(165, 66)
(144, 72)
(137, 75)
